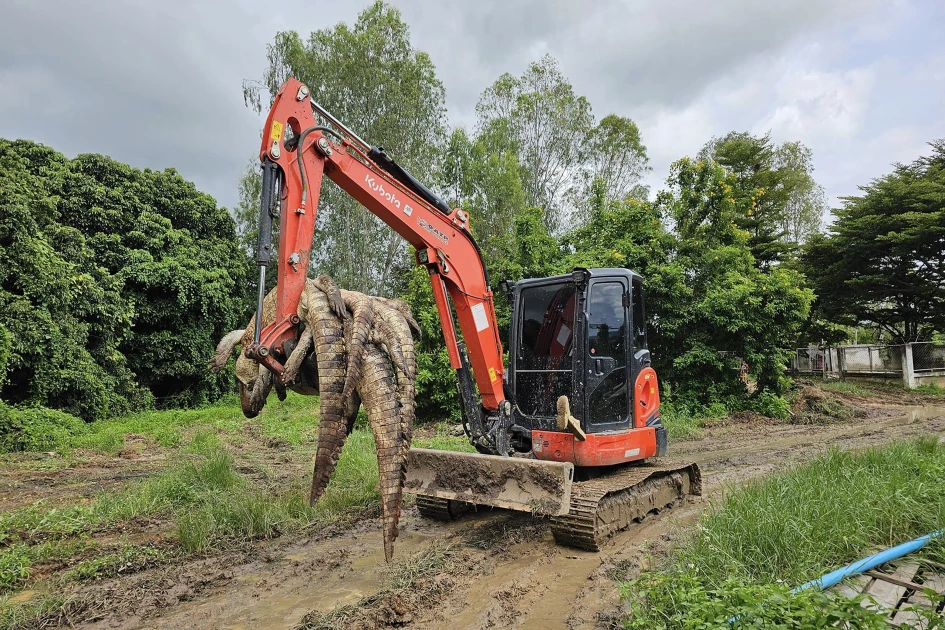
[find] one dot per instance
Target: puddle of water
(924, 412)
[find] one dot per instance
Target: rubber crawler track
(608, 504)
(440, 509)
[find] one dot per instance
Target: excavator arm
(297, 150)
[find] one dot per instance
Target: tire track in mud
(514, 576)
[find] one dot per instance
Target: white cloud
(825, 104)
(159, 84)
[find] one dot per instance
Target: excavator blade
(515, 483)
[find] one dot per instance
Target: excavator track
(441, 509)
(610, 503)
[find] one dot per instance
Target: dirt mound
(813, 405)
(738, 418)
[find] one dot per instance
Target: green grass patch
(794, 526)
(873, 388)
(42, 612)
(930, 389)
(294, 419)
(845, 387)
(444, 440)
(127, 559)
(680, 425)
(209, 500)
(17, 560)
(250, 514)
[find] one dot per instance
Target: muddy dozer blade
(514, 483)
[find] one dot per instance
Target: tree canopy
(883, 260)
(784, 204)
(115, 283)
(550, 130)
(709, 305)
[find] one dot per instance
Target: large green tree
(883, 260)
(115, 283)
(784, 204)
(709, 305)
(561, 152)
(540, 119)
(371, 78)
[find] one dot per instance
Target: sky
(159, 84)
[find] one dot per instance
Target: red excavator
(570, 428)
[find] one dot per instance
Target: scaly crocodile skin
(369, 349)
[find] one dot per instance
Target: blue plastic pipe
(834, 577)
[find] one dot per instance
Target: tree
(115, 283)
(731, 308)
(883, 260)
(616, 156)
(489, 187)
(708, 305)
(540, 119)
(370, 78)
(784, 204)
(807, 202)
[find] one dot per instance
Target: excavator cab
(581, 336)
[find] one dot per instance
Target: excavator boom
(304, 150)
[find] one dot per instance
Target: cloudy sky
(157, 84)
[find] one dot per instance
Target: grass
(680, 426)
(199, 493)
(294, 420)
(41, 612)
(128, 559)
(444, 440)
(873, 388)
(794, 526)
(828, 512)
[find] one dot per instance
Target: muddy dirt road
(489, 570)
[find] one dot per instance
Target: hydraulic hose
(298, 154)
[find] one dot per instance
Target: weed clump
(777, 532)
(813, 405)
(37, 429)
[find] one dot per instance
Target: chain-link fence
(928, 357)
(873, 361)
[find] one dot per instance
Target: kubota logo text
(382, 193)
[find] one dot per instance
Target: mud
(534, 485)
(492, 569)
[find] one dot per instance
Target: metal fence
(867, 360)
(812, 360)
(856, 360)
(871, 359)
(928, 357)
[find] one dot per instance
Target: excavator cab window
(607, 337)
(546, 348)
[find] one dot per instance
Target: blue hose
(871, 562)
(834, 577)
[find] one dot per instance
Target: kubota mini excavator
(569, 428)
